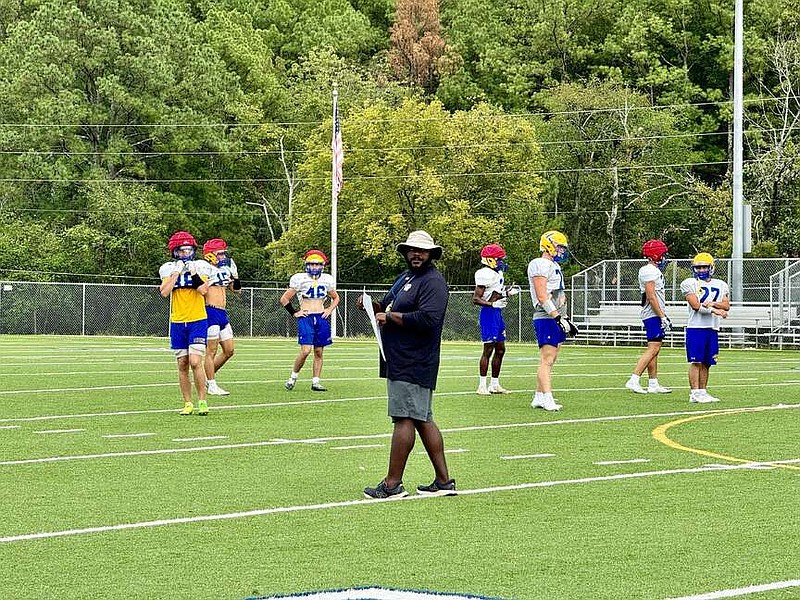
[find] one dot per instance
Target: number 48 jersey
(308, 287)
(712, 290)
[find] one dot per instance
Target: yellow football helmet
(703, 266)
(555, 244)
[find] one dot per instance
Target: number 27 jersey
(713, 290)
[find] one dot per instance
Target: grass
(559, 526)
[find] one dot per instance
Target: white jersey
(541, 267)
(714, 290)
(491, 280)
(219, 276)
(308, 287)
(649, 273)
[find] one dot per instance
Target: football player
(492, 296)
(708, 303)
(188, 325)
(312, 287)
(550, 321)
(223, 276)
(654, 318)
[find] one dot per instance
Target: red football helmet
(493, 251)
(654, 250)
(215, 252)
(178, 239)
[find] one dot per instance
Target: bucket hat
(422, 240)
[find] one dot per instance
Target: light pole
(739, 241)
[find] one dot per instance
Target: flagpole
(334, 201)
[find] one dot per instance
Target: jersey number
(316, 292)
(706, 292)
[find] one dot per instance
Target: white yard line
(348, 503)
(751, 589)
(128, 435)
(621, 462)
(374, 436)
(47, 431)
(10, 426)
(358, 446)
(524, 456)
(201, 439)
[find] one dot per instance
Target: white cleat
(635, 387)
(700, 398)
(498, 389)
(547, 404)
(483, 391)
(658, 389)
(215, 390)
(710, 398)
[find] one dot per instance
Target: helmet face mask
(703, 266)
(555, 244)
(315, 261)
(182, 246)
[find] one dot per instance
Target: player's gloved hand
(513, 290)
(178, 267)
(567, 326)
(234, 270)
(666, 324)
(501, 303)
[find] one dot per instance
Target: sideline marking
(660, 434)
(347, 503)
(622, 462)
(751, 589)
(371, 436)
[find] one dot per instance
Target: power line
(373, 177)
(525, 115)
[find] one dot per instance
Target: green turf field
(108, 493)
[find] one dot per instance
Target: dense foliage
(124, 120)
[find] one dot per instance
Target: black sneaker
(381, 491)
(447, 488)
(289, 385)
(318, 387)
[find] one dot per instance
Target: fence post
(519, 317)
(83, 309)
(252, 293)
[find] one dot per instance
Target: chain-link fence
(604, 300)
(140, 310)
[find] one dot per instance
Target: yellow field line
(660, 434)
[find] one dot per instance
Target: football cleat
(482, 391)
(658, 389)
(188, 408)
(698, 398)
(635, 387)
(290, 383)
(549, 404)
(498, 389)
(202, 408)
(318, 387)
(215, 390)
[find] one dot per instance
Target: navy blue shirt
(413, 348)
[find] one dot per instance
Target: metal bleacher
(605, 303)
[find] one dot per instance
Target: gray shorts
(409, 400)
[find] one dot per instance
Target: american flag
(338, 151)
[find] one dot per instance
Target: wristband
(388, 315)
(549, 306)
(197, 281)
(290, 309)
(705, 310)
(237, 285)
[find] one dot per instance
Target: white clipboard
(373, 321)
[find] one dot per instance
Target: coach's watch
(388, 314)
